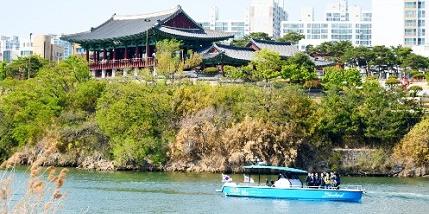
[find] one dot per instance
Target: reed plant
(43, 192)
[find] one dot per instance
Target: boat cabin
(275, 176)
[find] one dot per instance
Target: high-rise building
(341, 23)
(42, 46)
(238, 27)
(9, 48)
(266, 16)
(401, 22)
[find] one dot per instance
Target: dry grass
(43, 190)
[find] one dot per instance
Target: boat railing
(341, 187)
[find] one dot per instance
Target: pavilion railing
(122, 64)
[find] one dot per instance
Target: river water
(136, 192)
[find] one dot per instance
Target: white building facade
(266, 16)
(238, 27)
(341, 23)
(9, 48)
(402, 22)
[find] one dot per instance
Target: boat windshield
(272, 170)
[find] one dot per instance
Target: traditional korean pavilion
(219, 54)
(123, 43)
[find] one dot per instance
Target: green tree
(24, 67)
(415, 62)
(246, 39)
(302, 60)
(268, 65)
(402, 56)
(136, 119)
(2, 70)
(33, 105)
(384, 58)
(338, 78)
(386, 119)
(332, 50)
(168, 61)
(359, 57)
(337, 117)
(193, 61)
(297, 74)
(292, 37)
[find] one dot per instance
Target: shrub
(391, 82)
(211, 70)
(312, 84)
(234, 72)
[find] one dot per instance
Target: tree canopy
(292, 37)
(246, 39)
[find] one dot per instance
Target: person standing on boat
(309, 179)
(317, 180)
(336, 181)
(327, 180)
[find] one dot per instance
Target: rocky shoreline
(97, 162)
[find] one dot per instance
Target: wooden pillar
(104, 54)
(87, 55)
(94, 55)
(126, 53)
(98, 56)
(114, 54)
(137, 52)
(149, 51)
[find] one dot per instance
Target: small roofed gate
(128, 42)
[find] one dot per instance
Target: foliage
(392, 82)
(234, 72)
(338, 78)
(413, 149)
(370, 115)
(211, 70)
(302, 60)
(292, 37)
(31, 106)
(312, 84)
(268, 65)
(193, 61)
(297, 74)
(168, 61)
(246, 39)
(384, 58)
(24, 67)
(332, 50)
(414, 90)
(2, 70)
(135, 117)
(416, 62)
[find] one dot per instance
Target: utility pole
(29, 58)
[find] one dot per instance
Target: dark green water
(123, 192)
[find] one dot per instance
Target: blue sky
(20, 17)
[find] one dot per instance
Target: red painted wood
(181, 21)
(123, 63)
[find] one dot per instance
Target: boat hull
(292, 193)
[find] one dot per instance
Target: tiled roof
(322, 62)
(285, 49)
(119, 27)
(245, 54)
(196, 33)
